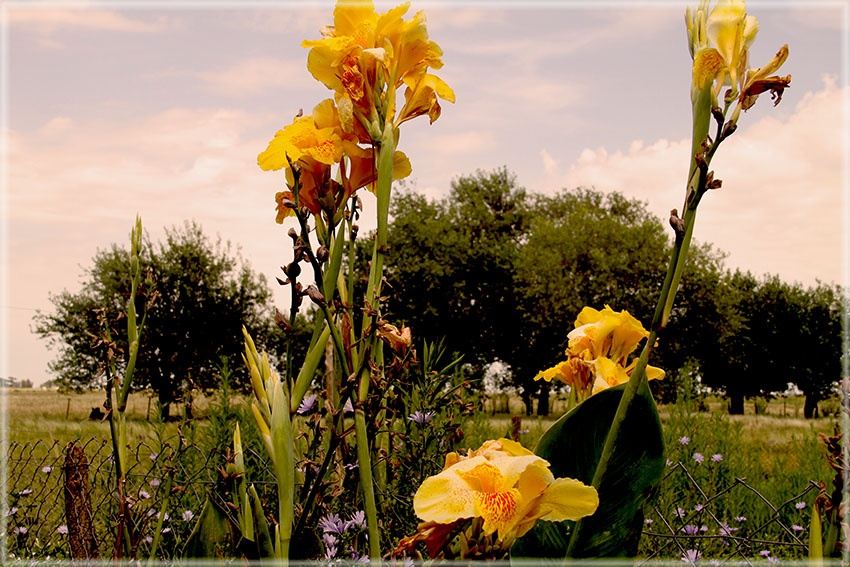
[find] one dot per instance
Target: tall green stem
(384, 165)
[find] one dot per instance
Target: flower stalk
(719, 42)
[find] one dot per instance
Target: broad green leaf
(213, 534)
(573, 445)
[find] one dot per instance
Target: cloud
(256, 75)
(48, 18)
(779, 209)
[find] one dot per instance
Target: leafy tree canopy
(202, 292)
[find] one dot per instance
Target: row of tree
(498, 272)
(502, 273)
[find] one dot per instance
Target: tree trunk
(543, 401)
(528, 400)
(736, 404)
(810, 407)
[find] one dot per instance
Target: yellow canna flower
(719, 42)
(505, 485)
(598, 351)
(605, 333)
(313, 144)
(365, 57)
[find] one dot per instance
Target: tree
(775, 333)
(451, 264)
(583, 248)
(205, 293)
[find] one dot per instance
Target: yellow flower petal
(567, 499)
(447, 497)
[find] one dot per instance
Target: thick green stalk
(364, 461)
(384, 165)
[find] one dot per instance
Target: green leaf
(213, 534)
(573, 445)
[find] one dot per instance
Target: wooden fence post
(78, 508)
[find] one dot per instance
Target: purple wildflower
(332, 524)
(358, 519)
(148, 539)
(703, 528)
(691, 556)
(684, 440)
(690, 529)
(154, 482)
(726, 529)
(47, 470)
(306, 404)
(144, 494)
(348, 407)
(63, 529)
(648, 521)
(153, 456)
(329, 540)
(764, 553)
(699, 508)
(800, 505)
(165, 530)
(680, 513)
(716, 457)
(669, 463)
(20, 530)
(188, 515)
(740, 519)
(11, 511)
(772, 559)
(25, 492)
(797, 528)
(698, 457)
(421, 418)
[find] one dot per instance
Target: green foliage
(573, 446)
(502, 274)
(772, 333)
(204, 294)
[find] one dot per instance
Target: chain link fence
(684, 523)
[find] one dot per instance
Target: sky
(113, 109)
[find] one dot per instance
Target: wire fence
(685, 523)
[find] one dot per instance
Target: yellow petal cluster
(307, 148)
(365, 57)
(505, 485)
(719, 40)
(598, 352)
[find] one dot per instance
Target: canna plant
(612, 437)
(347, 143)
(580, 494)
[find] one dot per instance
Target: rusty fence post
(78, 508)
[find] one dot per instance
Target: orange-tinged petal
(498, 510)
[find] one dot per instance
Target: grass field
(754, 466)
